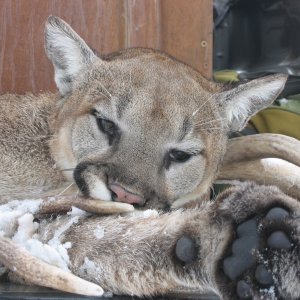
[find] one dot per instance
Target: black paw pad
(263, 276)
(277, 214)
(255, 243)
(247, 228)
(243, 290)
(244, 245)
(186, 249)
(241, 258)
(279, 240)
(234, 266)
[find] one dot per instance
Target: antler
(35, 271)
(270, 171)
(263, 146)
(63, 204)
(266, 159)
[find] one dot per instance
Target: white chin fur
(100, 191)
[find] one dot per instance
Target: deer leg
(197, 248)
(254, 228)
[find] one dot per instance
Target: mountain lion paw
(263, 259)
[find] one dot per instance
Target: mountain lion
(142, 128)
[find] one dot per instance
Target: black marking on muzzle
(79, 177)
(81, 171)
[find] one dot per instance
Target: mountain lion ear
(238, 105)
(67, 51)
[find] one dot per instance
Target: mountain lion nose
(122, 195)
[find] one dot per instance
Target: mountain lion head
(139, 126)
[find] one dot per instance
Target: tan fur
(27, 167)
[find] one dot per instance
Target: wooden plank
(180, 28)
(23, 63)
(187, 32)
(143, 23)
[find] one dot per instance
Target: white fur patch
(99, 190)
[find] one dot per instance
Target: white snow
(78, 212)
(59, 256)
(24, 206)
(10, 212)
(89, 268)
(16, 222)
(270, 292)
(142, 213)
(108, 294)
(150, 213)
(67, 245)
(99, 232)
(26, 228)
(56, 257)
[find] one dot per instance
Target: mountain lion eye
(109, 128)
(179, 156)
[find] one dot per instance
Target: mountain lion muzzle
(87, 175)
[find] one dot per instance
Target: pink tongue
(125, 196)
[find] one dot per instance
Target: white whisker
(109, 71)
(65, 189)
(105, 95)
(209, 121)
(215, 128)
(106, 90)
(195, 112)
(204, 103)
